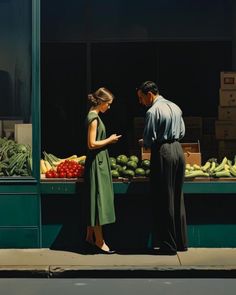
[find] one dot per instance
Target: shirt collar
(157, 98)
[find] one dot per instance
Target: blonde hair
(99, 96)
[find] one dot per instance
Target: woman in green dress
(98, 181)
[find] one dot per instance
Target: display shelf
(140, 186)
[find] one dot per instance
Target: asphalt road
(117, 286)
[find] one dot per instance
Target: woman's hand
(114, 138)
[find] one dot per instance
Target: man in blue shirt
(164, 127)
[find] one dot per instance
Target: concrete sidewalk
(196, 262)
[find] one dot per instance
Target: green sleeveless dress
(99, 195)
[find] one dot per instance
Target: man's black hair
(147, 86)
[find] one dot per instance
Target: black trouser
(166, 179)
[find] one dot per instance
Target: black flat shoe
(165, 252)
(101, 251)
(182, 249)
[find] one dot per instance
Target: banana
(206, 166)
(71, 157)
(196, 167)
(43, 168)
(48, 166)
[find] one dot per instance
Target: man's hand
(140, 142)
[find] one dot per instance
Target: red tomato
(54, 174)
(49, 174)
(74, 174)
(69, 174)
(62, 174)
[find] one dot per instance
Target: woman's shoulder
(91, 116)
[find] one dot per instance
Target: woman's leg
(99, 241)
(90, 235)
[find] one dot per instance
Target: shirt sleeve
(149, 133)
(182, 129)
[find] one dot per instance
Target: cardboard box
(228, 144)
(209, 142)
(193, 122)
(191, 152)
(228, 80)
(227, 113)
(227, 149)
(208, 126)
(227, 98)
(23, 133)
(145, 153)
(226, 129)
(193, 128)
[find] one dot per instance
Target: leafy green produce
(115, 173)
(132, 165)
(145, 164)
(129, 173)
(113, 166)
(112, 160)
(140, 172)
(147, 172)
(15, 158)
(122, 160)
(134, 158)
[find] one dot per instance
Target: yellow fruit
(43, 168)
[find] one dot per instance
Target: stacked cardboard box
(209, 144)
(191, 151)
(193, 129)
(23, 133)
(226, 123)
(8, 128)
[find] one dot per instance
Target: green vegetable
(197, 173)
(222, 173)
(129, 173)
(206, 166)
(145, 164)
(213, 166)
(232, 171)
(140, 172)
(112, 160)
(134, 158)
(122, 160)
(132, 165)
(221, 165)
(115, 173)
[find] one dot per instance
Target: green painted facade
(36, 214)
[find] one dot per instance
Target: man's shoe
(165, 252)
(182, 249)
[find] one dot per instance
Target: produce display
(124, 166)
(54, 167)
(129, 167)
(15, 158)
(212, 168)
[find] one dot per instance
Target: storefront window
(15, 88)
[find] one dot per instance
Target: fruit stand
(45, 211)
(207, 199)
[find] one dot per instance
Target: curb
(116, 272)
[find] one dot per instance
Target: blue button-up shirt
(163, 122)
